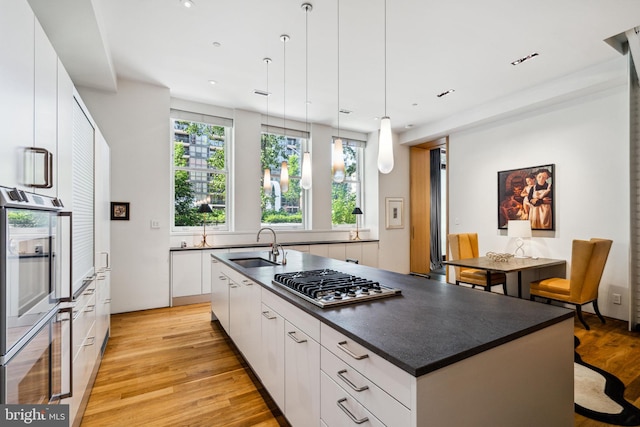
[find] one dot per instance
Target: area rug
(599, 395)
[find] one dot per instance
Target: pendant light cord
(385, 58)
(338, 50)
(306, 71)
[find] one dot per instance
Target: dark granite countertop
(431, 325)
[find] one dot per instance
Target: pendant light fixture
(305, 181)
(266, 179)
(337, 168)
(385, 143)
(284, 170)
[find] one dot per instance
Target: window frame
(360, 146)
(305, 144)
(227, 124)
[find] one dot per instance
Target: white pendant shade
(305, 181)
(284, 177)
(385, 146)
(266, 181)
(338, 161)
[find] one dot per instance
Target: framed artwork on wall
(120, 211)
(527, 194)
(394, 212)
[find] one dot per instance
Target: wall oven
(35, 279)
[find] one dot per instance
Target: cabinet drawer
(384, 374)
(372, 397)
(338, 408)
(305, 322)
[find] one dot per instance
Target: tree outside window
(200, 172)
(346, 195)
(280, 207)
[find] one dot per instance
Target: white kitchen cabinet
(63, 175)
(84, 349)
(340, 409)
(102, 212)
(220, 293)
(45, 114)
(245, 307)
(302, 377)
(338, 251)
(186, 273)
(320, 250)
(16, 86)
(272, 349)
(191, 274)
(369, 253)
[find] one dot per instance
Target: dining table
(508, 265)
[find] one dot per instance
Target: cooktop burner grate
(327, 288)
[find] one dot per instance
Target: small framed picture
(120, 211)
(394, 212)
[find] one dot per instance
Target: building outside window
(282, 206)
(200, 169)
(346, 195)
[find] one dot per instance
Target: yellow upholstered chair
(588, 259)
(465, 245)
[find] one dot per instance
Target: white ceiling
(432, 46)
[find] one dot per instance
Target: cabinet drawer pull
(90, 341)
(247, 282)
(349, 383)
(233, 285)
(266, 314)
(346, 411)
(293, 337)
(90, 308)
(349, 352)
(222, 277)
(89, 291)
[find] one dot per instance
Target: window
(346, 195)
(200, 167)
(282, 207)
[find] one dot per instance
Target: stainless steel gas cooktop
(328, 288)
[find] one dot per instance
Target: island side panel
(525, 382)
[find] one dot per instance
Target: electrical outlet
(617, 298)
(155, 223)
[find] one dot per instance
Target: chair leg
(579, 313)
(597, 310)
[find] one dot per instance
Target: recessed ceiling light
(409, 126)
(216, 44)
(446, 92)
(261, 92)
(415, 104)
(213, 82)
(343, 111)
(526, 58)
(187, 3)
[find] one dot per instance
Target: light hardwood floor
(174, 367)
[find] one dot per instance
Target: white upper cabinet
(42, 163)
(17, 88)
(63, 174)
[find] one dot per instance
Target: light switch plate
(155, 223)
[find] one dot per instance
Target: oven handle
(63, 394)
(69, 298)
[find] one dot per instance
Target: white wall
(588, 141)
(135, 122)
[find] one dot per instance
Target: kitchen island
(437, 354)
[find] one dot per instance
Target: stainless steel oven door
(33, 252)
(39, 371)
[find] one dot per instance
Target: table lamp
(204, 209)
(518, 230)
(356, 211)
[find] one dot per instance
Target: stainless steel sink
(253, 262)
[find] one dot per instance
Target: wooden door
(420, 193)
